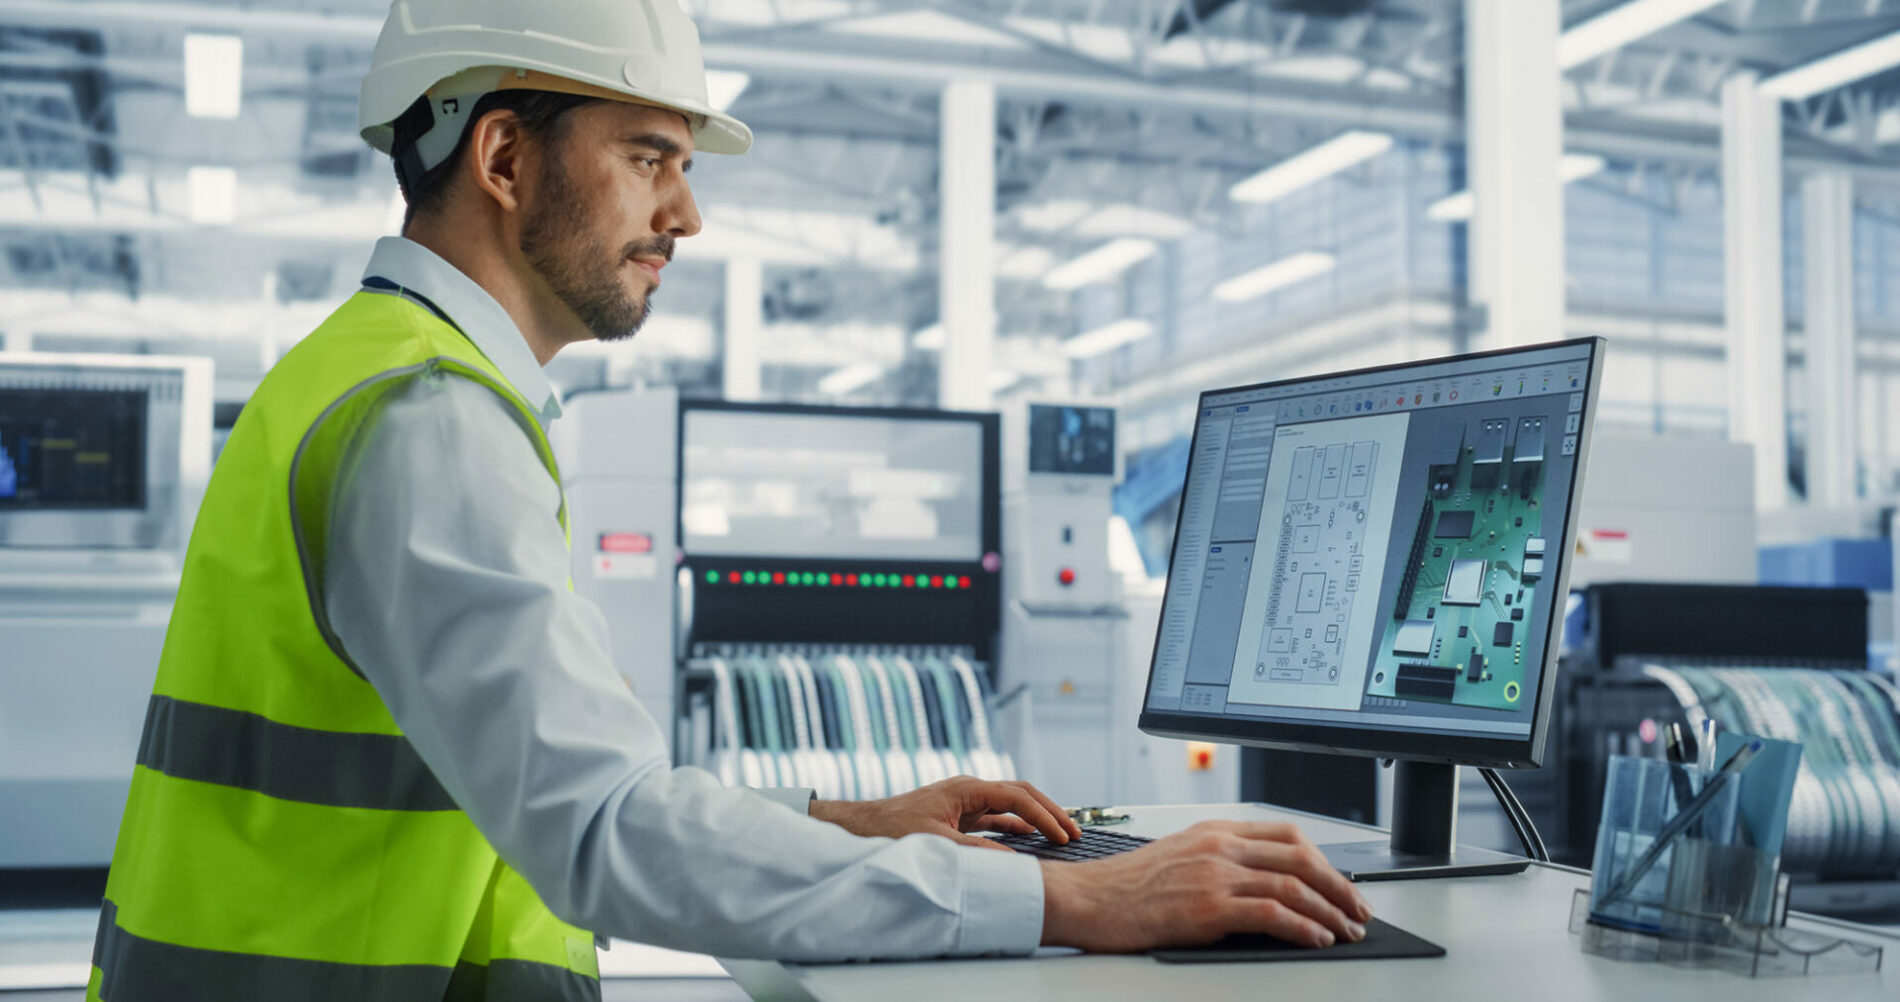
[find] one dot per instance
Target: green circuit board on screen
(1458, 628)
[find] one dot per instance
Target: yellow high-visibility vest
(282, 839)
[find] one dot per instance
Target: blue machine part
(1830, 563)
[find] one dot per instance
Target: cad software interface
(1375, 551)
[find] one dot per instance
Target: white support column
(16, 339)
(1514, 152)
(745, 318)
(1751, 244)
(1827, 226)
(967, 288)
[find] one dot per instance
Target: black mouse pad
(1383, 941)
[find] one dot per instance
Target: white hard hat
(456, 51)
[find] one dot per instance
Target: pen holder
(1704, 880)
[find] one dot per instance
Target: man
(387, 755)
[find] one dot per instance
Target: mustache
(660, 247)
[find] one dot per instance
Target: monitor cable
(1518, 817)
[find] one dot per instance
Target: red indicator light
(837, 579)
(909, 581)
(625, 542)
(963, 582)
(936, 582)
(732, 578)
(778, 578)
(1066, 576)
(851, 579)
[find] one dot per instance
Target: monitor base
(1362, 861)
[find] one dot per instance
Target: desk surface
(1502, 935)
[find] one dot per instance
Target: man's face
(608, 200)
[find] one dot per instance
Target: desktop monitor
(1373, 563)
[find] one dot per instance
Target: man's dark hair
(542, 114)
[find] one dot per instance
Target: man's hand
(1217, 877)
(951, 809)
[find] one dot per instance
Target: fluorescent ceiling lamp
(1323, 161)
(214, 76)
(1107, 338)
(851, 377)
(928, 339)
(211, 195)
(1459, 205)
(1102, 263)
(1829, 72)
(928, 26)
(1278, 275)
(1026, 263)
(1003, 380)
(724, 87)
(1620, 26)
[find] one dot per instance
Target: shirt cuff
(1002, 902)
(795, 798)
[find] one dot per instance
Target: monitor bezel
(1456, 749)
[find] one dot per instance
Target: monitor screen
(1072, 440)
(66, 448)
(830, 486)
(1374, 553)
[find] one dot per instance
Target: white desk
(1505, 937)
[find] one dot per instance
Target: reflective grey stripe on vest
(229, 747)
(134, 969)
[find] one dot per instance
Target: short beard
(584, 277)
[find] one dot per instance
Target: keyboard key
(1095, 843)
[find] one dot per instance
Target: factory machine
(1064, 624)
(1781, 662)
(810, 595)
(103, 462)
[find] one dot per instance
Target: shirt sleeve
(445, 580)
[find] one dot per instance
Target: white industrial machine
(1063, 620)
(1667, 508)
(809, 595)
(103, 462)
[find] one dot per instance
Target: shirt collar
(469, 306)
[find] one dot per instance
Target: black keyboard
(1094, 844)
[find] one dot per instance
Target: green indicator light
(824, 579)
(795, 578)
(750, 578)
(712, 577)
(808, 578)
(877, 580)
(949, 582)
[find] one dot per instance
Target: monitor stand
(1424, 834)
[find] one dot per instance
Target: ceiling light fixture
(850, 377)
(928, 338)
(1100, 264)
(214, 76)
(211, 195)
(1107, 338)
(1829, 72)
(1345, 150)
(1620, 26)
(1458, 206)
(1287, 271)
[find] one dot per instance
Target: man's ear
(496, 145)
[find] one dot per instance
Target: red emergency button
(1066, 576)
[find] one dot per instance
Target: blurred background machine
(103, 461)
(809, 595)
(1063, 622)
(1779, 661)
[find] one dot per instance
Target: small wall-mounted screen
(1075, 440)
(64, 448)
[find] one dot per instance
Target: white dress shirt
(445, 581)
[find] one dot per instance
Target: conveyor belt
(1845, 816)
(850, 724)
